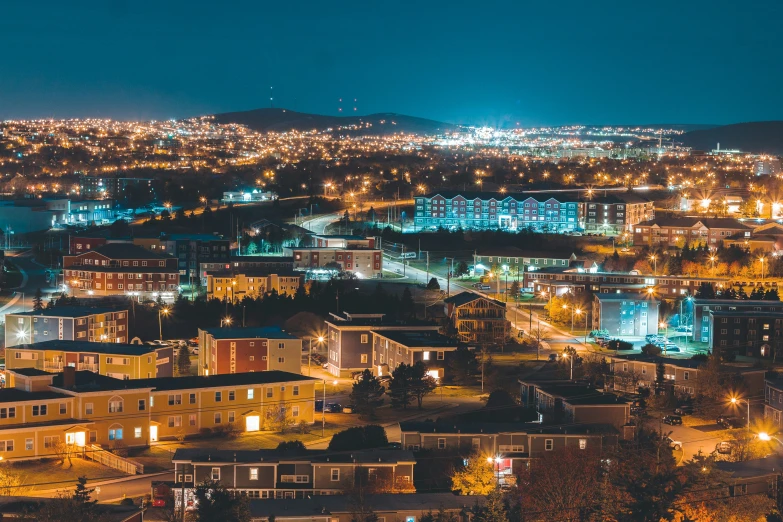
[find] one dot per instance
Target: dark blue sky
(539, 62)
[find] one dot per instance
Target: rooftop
(690, 222)
(753, 468)
(577, 393)
(16, 395)
(468, 297)
(518, 252)
(745, 313)
(560, 197)
(378, 320)
(420, 339)
(500, 427)
(86, 346)
(69, 311)
(30, 372)
(624, 297)
(265, 332)
(127, 251)
(274, 455)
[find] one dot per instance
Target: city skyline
(497, 64)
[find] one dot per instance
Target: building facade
(349, 339)
(67, 323)
(616, 213)
(753, 333)
(702, 326)
(477, 319)
(240, 350)
(625, 314)
(120, 361)
(365, 263)
(674, 231)
(484, 210)
(121, 269)
(393, 347)
(235, 285)
(45, 414)
(516, 261)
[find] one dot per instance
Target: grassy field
(51, 474)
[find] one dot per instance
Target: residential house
(679, 231)
(477, 319)
(364, 262)
(394, 347)
(746, 332)
(613, 214)
(236, 285)
(67, 323)
(252, 349)
(121, 361)
(702, 327)
(242, 264)
(515, 261)
(349, 338)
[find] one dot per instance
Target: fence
(98, 454)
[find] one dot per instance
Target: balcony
(53, 366)
(93, 367)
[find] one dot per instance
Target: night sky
(483, 62)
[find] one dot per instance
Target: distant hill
(282, 120)
(756, 137)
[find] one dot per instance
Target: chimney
(69, 377)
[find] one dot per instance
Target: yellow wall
(138, 367)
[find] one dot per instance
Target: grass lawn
(50, 474)
(458, 391)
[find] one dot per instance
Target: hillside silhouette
(760, 137)
(282, 120)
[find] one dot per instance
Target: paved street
(35, 278)
(693, 439)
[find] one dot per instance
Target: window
(28, 444)
(270, 392)
(6, 445)
(215, 474)
(231, 395)
(192, 398)
(582, 443)
(175, 399)
(250, 393)
(63, 408)
(686, 375)
(115, 405)
(364, 358)
(39, 410)
(142, 404)
(192, 419)
(281, 360)
(549, 444)
(441, 443)
(115, 434)
(441, 356)
(88, 408)
(296, 391)
(137, 432)
(175, 421)
(218, 418)
(51, 441)
(280, 346)
(365, 338)
(253, 473)
(335, 475)
(8, 413)
(93, 436)
(218, 396)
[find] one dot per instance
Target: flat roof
(577, 393)
(501, 427)
(624, 296)
(30, 372)
(16, 395)
(86, 346)
(273, 455)
(420, 339)
(745, 313)
(262, 332)
(70, 311)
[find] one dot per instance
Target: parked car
(724, 447)
(672, 420)
(333, 407)
(674, 444)
(193, 341)
(684, 410)
(729, 422)
(349, 408)
(158, 343)
(638, 410)
(553, 357)
(195, 351)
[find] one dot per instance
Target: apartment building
(516, 261)
(561, 402)
(631, 371)
(513, 444)
(541, 212)
(343, 241)
(679, 231)
(394, 347)
(364, 262)
(625, 314)
(702, 326)
(477, 319)
(112, 187)
(559, 281)
(269, 474)
(349, 338)
(235, 285)
(120, 361)
(121, 269)
(67, 323)
(252, 349)
(773, 403)
(44, 414)
(613, 214)
(746, 332)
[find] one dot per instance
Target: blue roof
(263, 332)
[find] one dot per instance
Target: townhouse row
(43, 412)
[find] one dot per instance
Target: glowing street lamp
(712, 259)
(735, 400)
(164, 311)
(654, 259)
(225, 321)
(761, 260)
(320, 340)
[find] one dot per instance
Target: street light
(496, 462)
(164, 311)
(226, 321)
(735, 400)
(569, 356)
(761, 260)
(712, 259)
(666, 326)
(578, 312)
(320, 339)
(654, 259)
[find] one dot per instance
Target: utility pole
(427, 280)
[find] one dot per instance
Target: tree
(359, 437)
(439, 516)
(705, 291)
(421, 383)
(293, 446)
(475, 478)
(493, 510)
(367, 394)
(462, 366)
(82, 493)
(514, 290)
(433, 284)
(461, 269)
(651, 349)
(183, 361)
(407, 304)
(499, 399)
(38, 300)
(215, 502)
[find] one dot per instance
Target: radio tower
(271, 99)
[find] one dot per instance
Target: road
(35, 279)
(693, 440)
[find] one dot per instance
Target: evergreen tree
(407, 305)
(38, 300)
(82, 493)
(215, 502)
(183, 361)
(433, 284)
(400, 387)
(367, 394)
(772, 295)
(493, 510)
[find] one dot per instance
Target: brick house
(240, 350)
